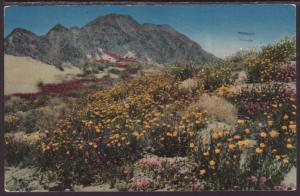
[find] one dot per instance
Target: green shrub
(183, 72)
(215, 76)
(265, 65)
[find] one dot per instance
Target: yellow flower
(277, 157)
(172, 133)
(273, 133)
(241, 121)
(231, 146)
(247, 142)
(215, 136)
(262, 145)
(212, 163)
(202, 172)
(217, 151)
(97, 129)
(263, 134)
(285, 161)
(95, 145)
(247, 130)
(136, 134)
(285, 117)
(270, 123)
(292, 123)
(192, 145)
(292, 127)
(284, 127)
(258, 150)
(240, 143)
(205, 153)
(197, 122)
(289, 146)
(237, 137)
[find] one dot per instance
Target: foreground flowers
(108, 136)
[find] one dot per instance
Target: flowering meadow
(153, 132)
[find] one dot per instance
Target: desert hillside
(183, 127)
(22, 74)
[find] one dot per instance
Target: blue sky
(213, 26)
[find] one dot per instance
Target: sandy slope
(21, 74)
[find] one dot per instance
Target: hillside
(22, 74)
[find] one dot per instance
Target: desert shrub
(190, 85)
(215, 76)
(124, 75)
(157, 173)
(256, 154)
(222, 158)
(217, 108)
(183, 72)
(28, 179)
(15, 151)
(286, 74)
(133, 68)
(274, 153)
(114, 71)
(92, 68)
(106, 77)
(256, 100)
(251, 158)
(15, 104)
(11, 122)
(36, 119)
(175, 135)
(264, 66)
(109, 128)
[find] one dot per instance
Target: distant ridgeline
(112, 37)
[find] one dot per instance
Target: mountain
(119, 34)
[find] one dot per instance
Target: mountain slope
(119, 34)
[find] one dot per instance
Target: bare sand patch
(22, 74)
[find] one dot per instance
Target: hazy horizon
(215, 27)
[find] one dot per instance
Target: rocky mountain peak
(113, 32)
(21, 31)
(58, 28)
(113, 19)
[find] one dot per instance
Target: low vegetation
(151, 133)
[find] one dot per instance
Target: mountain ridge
(114, 32)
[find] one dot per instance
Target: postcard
(150, 97)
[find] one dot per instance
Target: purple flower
(253, 179)
(263, 179)
(195, 186)
(291, 186)
(283, 185)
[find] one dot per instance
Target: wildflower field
(187, 128)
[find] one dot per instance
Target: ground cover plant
(187, 128)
